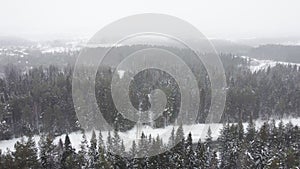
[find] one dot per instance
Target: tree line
(271, 146)
(40, 99)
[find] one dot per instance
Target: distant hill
(14, 41)
(226, 46)
(285, 53)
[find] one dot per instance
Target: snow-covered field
(256, 65)
(198, 132)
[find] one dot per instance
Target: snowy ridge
(198, 131)
(59, 49)
(256, 65)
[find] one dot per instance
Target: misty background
(248, 22)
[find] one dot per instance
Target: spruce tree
(143, 151)
(172, 139)
(82, 153)
(26, 154)
(178, 157)
(47, 153)
(109, 144)
(92, 152)
(250, 130)
(179, 134)
(224, 146)
(8, 161)
(189, 152)
(116, 143)
(133, 162)
(208, 149)
(200, 155)
(69, 157)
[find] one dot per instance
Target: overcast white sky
(229, 19)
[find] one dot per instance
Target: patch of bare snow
(256, 65)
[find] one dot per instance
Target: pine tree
(249, 160)
(275, 146)
(179, 134)
(32, 157)
(154, 151)
(26, 154)
(109, 143)
(214, 161)
(291, 159)
(172, 139)
(178, 157)
(143, 146)
(122, 153)
(102, 161)
(189, 152)
(224, 147)
(142, 151)
(208, 149)
(250, 130)
(101, 146)
(92, 153)
(234, 146)
(200, 155)
(58, 153)
(47, 154)
(116, 143)
(259, 151)
(240, 129)
(133, 152)
(69, 158)
(8, 161)
(264, 132)
(119, 160)
(152, 160)
(82, 153)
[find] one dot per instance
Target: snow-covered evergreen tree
(26, 154)
(179, 134)
(200, 155)
(47, 152)
(93, 151)
(172, 139)
(82, 153)
(189, 152)
(69, 157)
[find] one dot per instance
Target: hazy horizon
(231, 20)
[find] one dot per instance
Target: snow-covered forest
(39, 99)
(273, 145)
(149, 84)
(39, 127)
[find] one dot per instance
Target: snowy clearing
(198, 131)
(256, 65)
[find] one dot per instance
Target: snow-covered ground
(256, 65)
(48, 49)
(198, 132)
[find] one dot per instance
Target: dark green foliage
(69, 157)
(47, 152)
(40, 99)
(83, 152)
(25, 154)
(230, 150)
(93, 152)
